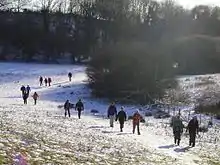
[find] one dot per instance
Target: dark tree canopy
(133, 44)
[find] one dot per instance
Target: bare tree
(4, 4)
(19, 5)
(74, 5)
(44, 5)
(62, 6)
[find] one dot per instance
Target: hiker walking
(67, 108)
(70, 76)
(112, 112)
(136, 122)
(193, 128)
(49, 81)
(41, 80)
(23, 90)
(35, 97)
(79, 107)
(177, 129)
(121, 117)
(28, 89)
(45, 81)
(25, 97)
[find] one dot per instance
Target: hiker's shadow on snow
(124, 133)
(167, 146)
(97, 127)
(36, 88)
(60, 84)
(17, 104)
(182, 149)
(13, 97)
(106, 132)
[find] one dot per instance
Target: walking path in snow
(44, 136)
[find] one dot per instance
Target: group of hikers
(193, 128)
(47, 81)
(122, 117)
(78, 107)
(26, 92)
(177, 124)
(113, 115)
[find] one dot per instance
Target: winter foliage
(41, 135)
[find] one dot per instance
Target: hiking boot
(178, 142)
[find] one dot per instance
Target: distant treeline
(135, 45)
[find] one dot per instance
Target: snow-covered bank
(44, 136)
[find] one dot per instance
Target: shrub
(130, 70)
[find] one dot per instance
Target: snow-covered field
(43, 136)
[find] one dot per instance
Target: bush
(130, 70)
(147, 114)
(94, 111)
(218, 117)
(196, 54)
(203, 129)
(142, 120)
(161, 115)
(212, 109)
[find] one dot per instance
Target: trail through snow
(44, 136)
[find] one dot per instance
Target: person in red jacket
(136, 122)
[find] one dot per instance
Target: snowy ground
(44, 136)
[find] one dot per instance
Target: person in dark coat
(23, 89)
(25, 97)
(193, 128)
(49, 81)
(67, 108)
(41, 80)
(79, 107)
(35, 97)
(136, 122)
(177, 129)
(45, 81)
(112, 112)
(28, 89)
(70, 76)
(121, 117)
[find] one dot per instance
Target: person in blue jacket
(112, 112)
(23, 90)
(28, 89)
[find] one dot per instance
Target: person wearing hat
(112, 112)
(193, 128)
(79, 107)
(136, 122)
(177, 129)
(121, 117)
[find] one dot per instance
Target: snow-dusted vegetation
(42, 135)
